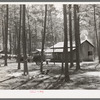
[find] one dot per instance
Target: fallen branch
(7, 79)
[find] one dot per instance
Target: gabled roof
(61, 44)
(89, 41)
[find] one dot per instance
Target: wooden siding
(86, 48)
(86, 53)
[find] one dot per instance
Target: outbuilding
(87, 50)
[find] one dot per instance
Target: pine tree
(43, 39)
(67, 78)
(24, 43)
(95, 31)
(76, 29)
(70, 34)
(30, 47)
(99, 41)
(19, 49)
(6, 35)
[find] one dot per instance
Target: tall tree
(99, 41)
(19, 34)
(24, 43)
(43, 39)
(6, 35)
(36, 33)
(70, 34)
(3, 26)
(30, 47)
(52, 34)
(78, 17)
(76, 29)
(67, 78)
(29, 33)
(10, 41)
(15, 31)
(95, 30)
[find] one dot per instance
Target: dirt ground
(13, 79)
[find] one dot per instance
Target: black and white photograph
(49, 46)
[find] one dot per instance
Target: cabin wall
(87, 52)
(58, 56)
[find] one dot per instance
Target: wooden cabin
(86, 51)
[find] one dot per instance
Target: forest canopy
(54, 28)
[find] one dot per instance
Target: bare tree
(67, 78)
(10, 41)
(95, 30)
(70, 34)
(43, 39)
(19, 34)
(24, 43)
(15, 35)
(99, 41)
(29, 35)
(6, 35)
(52, 35)
(78, 17)
(3, 27)
(30, 47)
(36, 32)
(76, 29)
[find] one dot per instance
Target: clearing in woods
(86, 78)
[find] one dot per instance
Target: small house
(86, 51)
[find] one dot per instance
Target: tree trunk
(95, 30)
(17, 36)
(52, 36)
(76, 29)
(6, 35)
(78, 26)
(79, 41)
(36, 35)
(70, 34)
(16, 39)
(65, 44)
(99, 40)
(30, 47)
(10, 40)
(43, 39)
(24, 44)
(3, 35)
(19, 56)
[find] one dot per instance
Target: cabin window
(90, 53)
